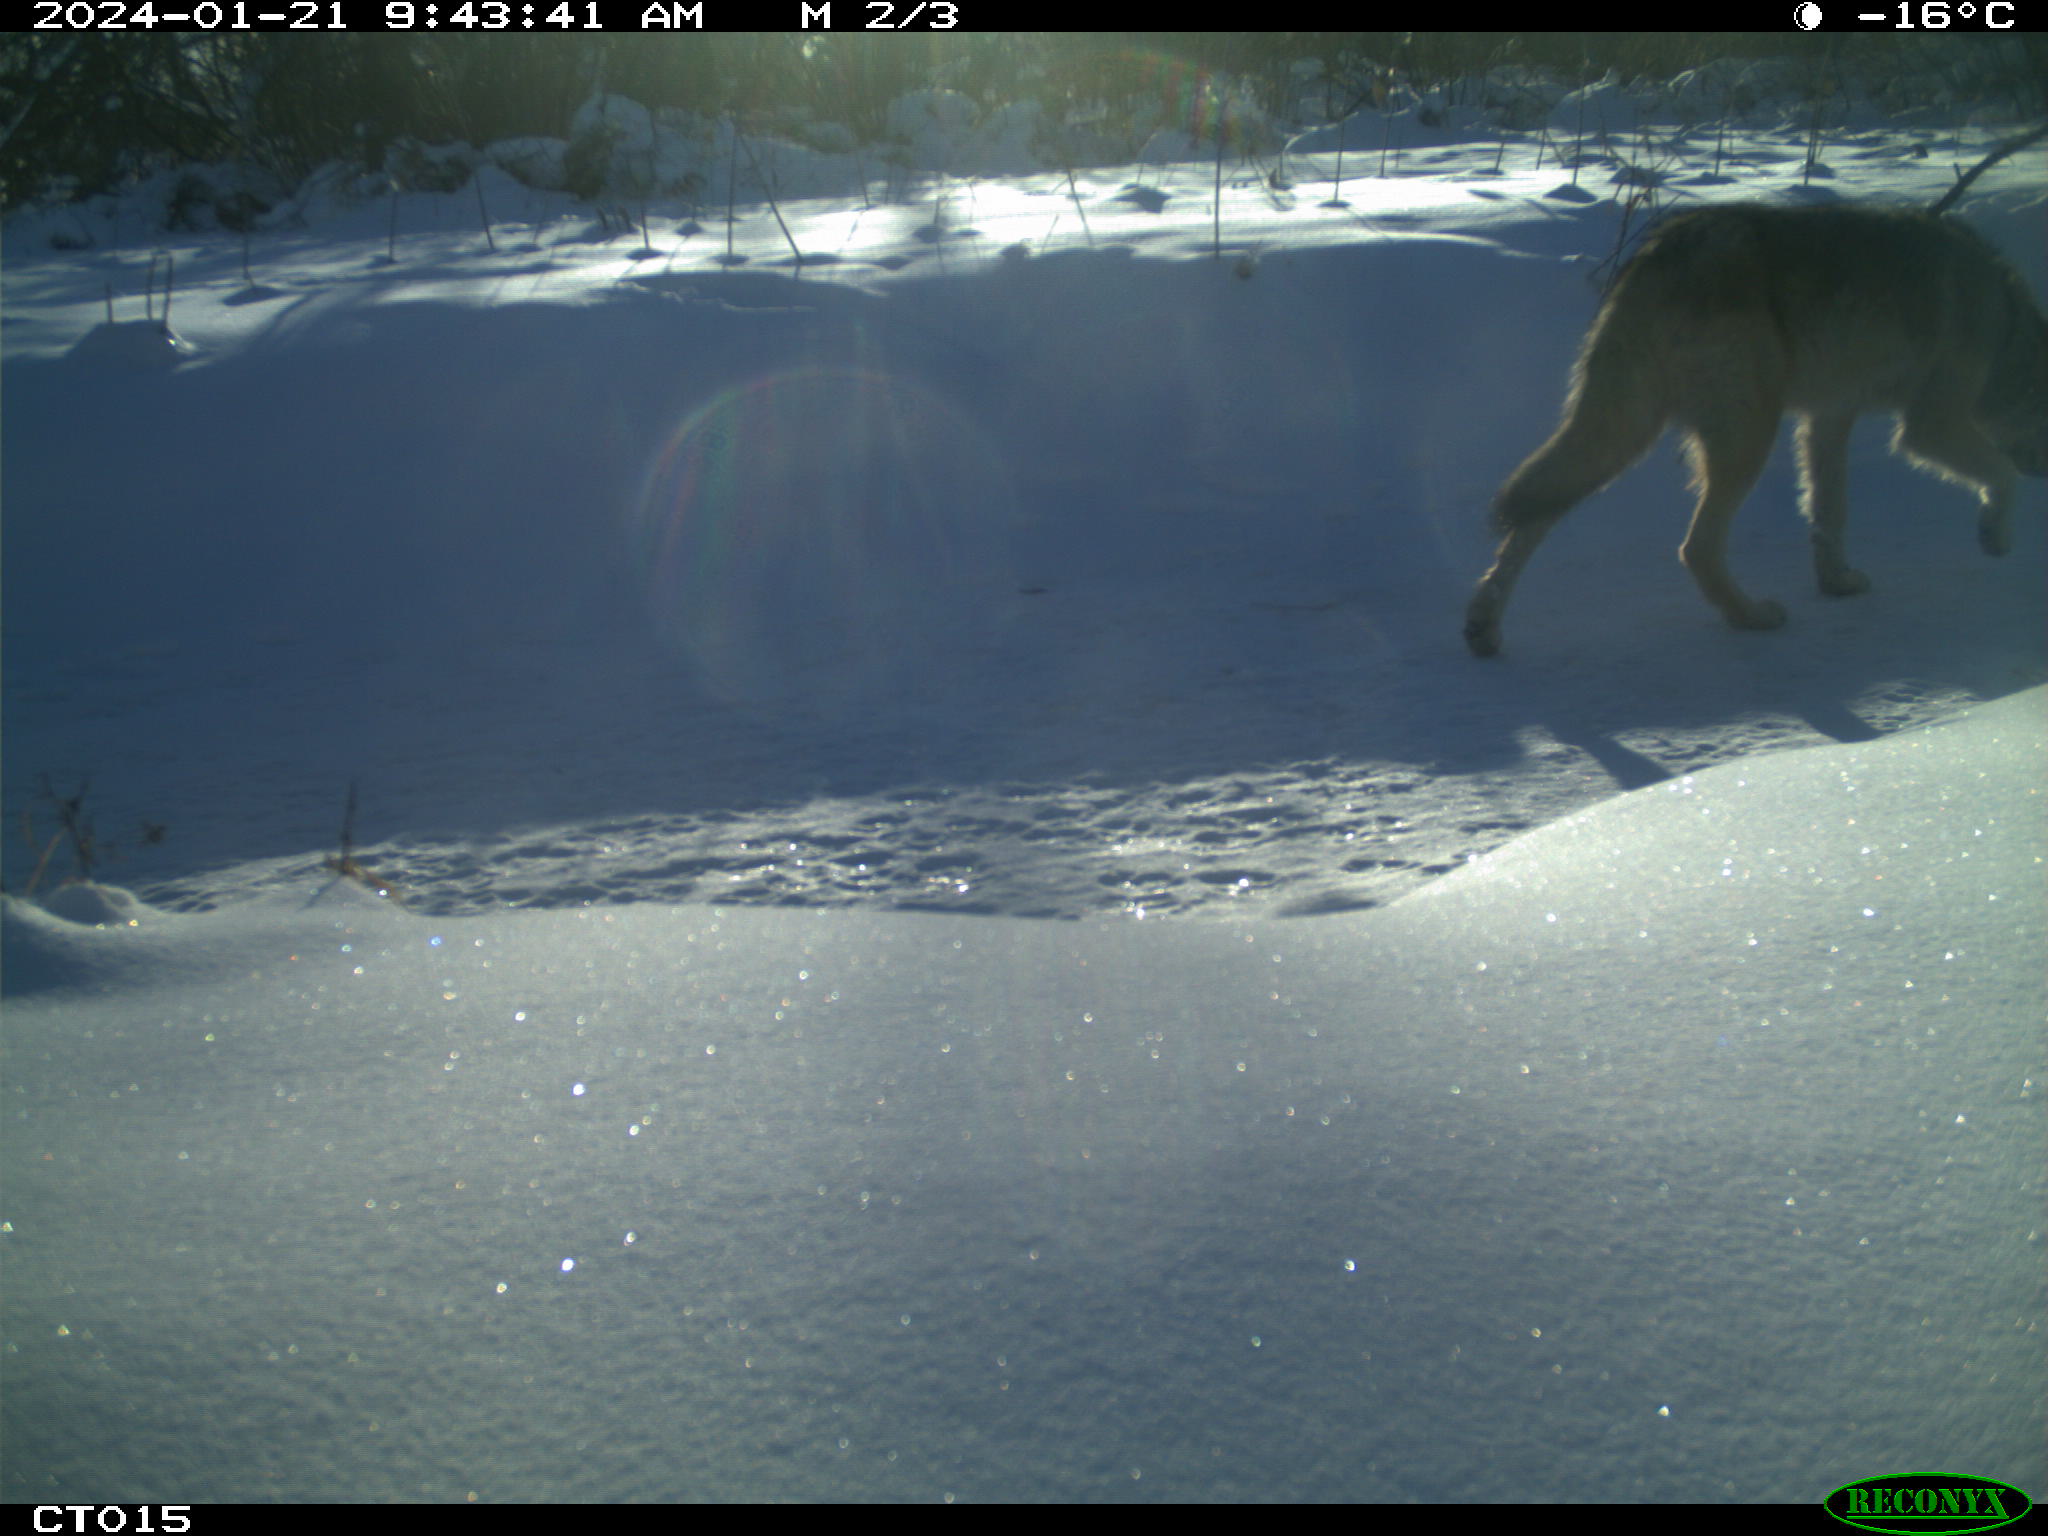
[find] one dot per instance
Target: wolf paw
(1844, 582)
(1761, 614)
(1482, 619)
(1483, 636)
(1995, 538)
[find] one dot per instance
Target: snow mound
(84, 937)
(133, 344)
(1635, 1163)
(1915, 831)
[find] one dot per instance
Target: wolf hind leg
(1824, 494)
(1490, 597)
(1728, 455)
(1950, 443)
(1607, 427)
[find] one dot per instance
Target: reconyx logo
(1927, 1502)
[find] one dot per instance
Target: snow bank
(1683, 1150)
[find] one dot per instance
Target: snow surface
(1049, 568)
(1013, 557)
(1689, 1148)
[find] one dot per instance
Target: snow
(1686, 1149)
(1641, 1102)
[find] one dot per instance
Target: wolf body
(1730, 317)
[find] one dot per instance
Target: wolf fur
(1728, 318)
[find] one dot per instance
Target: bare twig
(1955, 193)
(348, 866)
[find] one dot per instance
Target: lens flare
(823, 528)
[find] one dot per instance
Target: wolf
(1730, 317)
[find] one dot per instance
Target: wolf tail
(1615, 412)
